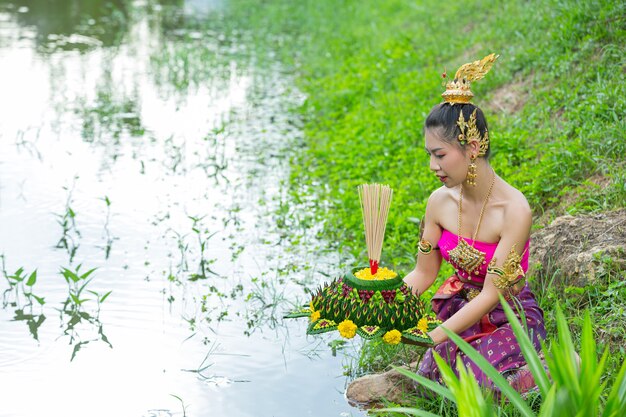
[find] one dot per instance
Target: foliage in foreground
(568, 388)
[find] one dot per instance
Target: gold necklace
(465, 256)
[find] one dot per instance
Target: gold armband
(424, 247)
(509, 273)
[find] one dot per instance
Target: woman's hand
(437, 335)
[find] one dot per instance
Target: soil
(509, 98)
(579, 250)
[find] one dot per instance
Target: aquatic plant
(20, 284)
(67, 221)
(203, 239)
(107, 233)
(20, 295)
(73, 313)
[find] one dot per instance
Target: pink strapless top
(449, 241)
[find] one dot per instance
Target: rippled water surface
(143, 157)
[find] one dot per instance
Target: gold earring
(471, 172)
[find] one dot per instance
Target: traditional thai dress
(492, 335)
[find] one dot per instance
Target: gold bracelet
(424, 247)
(509, 273)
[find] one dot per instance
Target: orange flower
(392, 337)
(347, 329)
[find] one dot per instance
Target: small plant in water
(20, 295)
(74, 313)
(107, 232)
(20, 284)
(67, 220)
(203, 240)
(182, 404)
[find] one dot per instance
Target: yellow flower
(315, 316)
(347, 329)
(422, 324)
(381, 274)
(392, 337)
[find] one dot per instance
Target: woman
(481, 225)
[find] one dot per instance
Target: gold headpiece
(458, 90)
(470, 132)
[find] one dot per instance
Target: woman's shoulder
(515, 204)
(442, 203)
(443, 195)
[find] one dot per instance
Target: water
(136, 141)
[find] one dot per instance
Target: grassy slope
(366, 107)
(371, 72)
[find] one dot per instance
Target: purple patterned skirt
(492, 337)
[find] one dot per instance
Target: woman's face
(447, 160)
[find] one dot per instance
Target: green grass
(371, 72)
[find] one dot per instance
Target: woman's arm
(518, 221)
(427, 264)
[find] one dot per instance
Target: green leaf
(76, 299)
(471, 401)
(32, 279)
(448, 375)
(528, 350)
(69, 275)
(427, 383)
(82, 287)
(591, 370)
(549, 402)
(492, 373)
(405, 410)
(563, 367)
(616, 401)
(86, 274)
(104, 297)
(17, 276)
(40, 300)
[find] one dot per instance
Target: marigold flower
(347, 329)
(392, 337)
(315, 316)
(422, 324)
(382, 274)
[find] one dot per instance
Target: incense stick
(375, 200)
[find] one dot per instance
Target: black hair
(445, 116)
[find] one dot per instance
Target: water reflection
(71, 24)
(70, 238)
(152, 152)
(111, 114)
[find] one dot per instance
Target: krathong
(370, 301)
